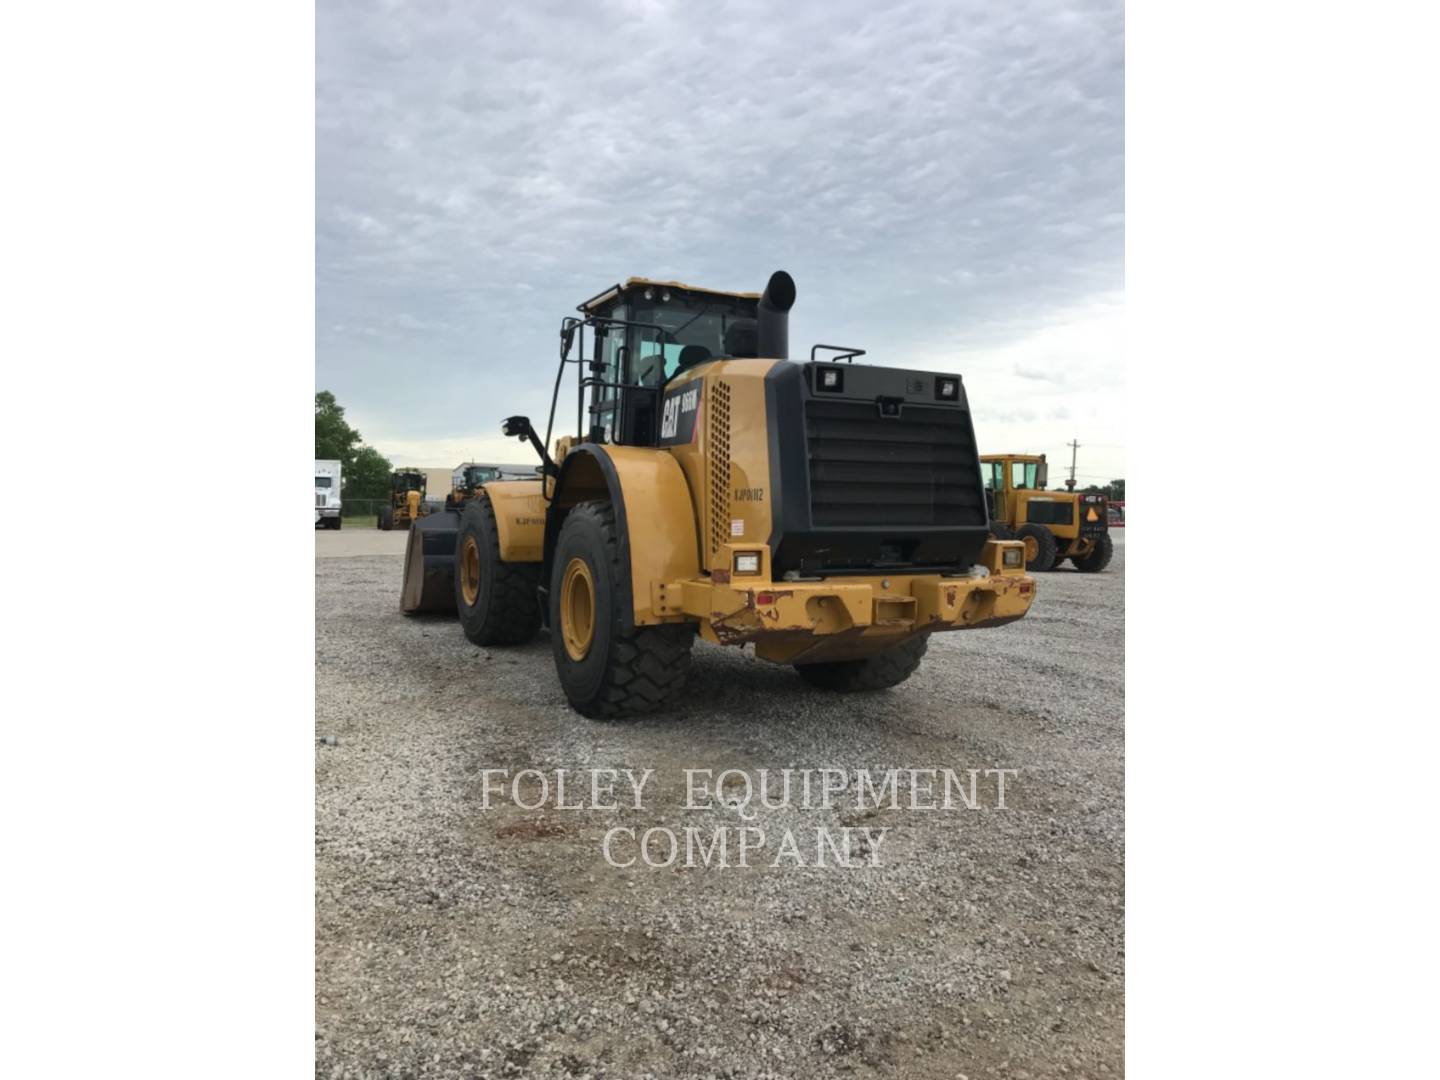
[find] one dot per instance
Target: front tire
(1040, 547)
(608, 672)
(387, 518)
(496, 600)
(1099, 556)
(879, 672)
(1000, 531)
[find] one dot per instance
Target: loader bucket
(429, 583)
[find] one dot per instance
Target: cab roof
(640, 282)
(1013, 457)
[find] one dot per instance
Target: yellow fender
(519, 518)
(653, 511)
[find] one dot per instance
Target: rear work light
(747, 562)
(830, 380)
(1012, 558)
(947, 388)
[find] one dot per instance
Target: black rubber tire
(336, 526)
(387, 518)
(878, 672)
(507, 605)
(626, 673)
(1000, 531)
(1099, 556)
(1044, 541)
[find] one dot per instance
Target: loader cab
(645, 333)
(1005, 474)
(475, 475)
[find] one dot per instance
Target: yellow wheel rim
(577, 609)
(470, 570)
(1032, 548)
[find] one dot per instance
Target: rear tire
(336, 526)
(1099, 556)
(387, 518)
(879, 672)
(496, 600)
(1040, 547)
(607, 671)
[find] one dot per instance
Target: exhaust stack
(773, 325)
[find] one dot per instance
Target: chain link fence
(360, 511)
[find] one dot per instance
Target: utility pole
(1074, 446)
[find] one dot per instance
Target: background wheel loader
(1053, 525)
(407, 500)
(831, 515)
(467, 480)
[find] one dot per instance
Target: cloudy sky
(943, 179)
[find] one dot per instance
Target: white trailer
(327, 494)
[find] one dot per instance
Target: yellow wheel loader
(828, 514)
(407, 500)
(1053, 525)
(466, 482)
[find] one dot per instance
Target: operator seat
(742, 339)
(691, 355)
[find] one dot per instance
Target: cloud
(942, 179)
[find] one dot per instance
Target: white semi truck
(327, 494)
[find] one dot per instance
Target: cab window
(990, 470)
(655, 362)
(322, 481)
(612, 342)
(1022, 475)
(675, 334)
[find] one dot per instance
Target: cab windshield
(476, 475)
(687, 332)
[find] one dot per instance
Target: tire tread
(648, 664)
(514, 615)
(1099, 558)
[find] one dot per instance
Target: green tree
(368, 476)
(334, 438)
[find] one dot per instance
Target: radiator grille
(1050, 512)
(919, 468)
(319, 499)
(719, 451)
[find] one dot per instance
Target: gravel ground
(454, 940)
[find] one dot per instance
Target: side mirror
(519, 427)
(567, 338)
